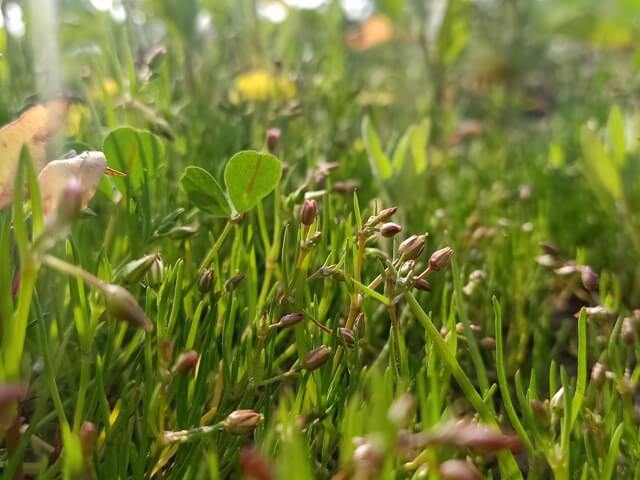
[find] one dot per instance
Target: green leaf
(617, 139)
(400, 153)
(454, 32)
(380, 164)
(205, 192)
(250, 176)
(37, 215)
(419, 143)
(138, 153)
(600, 166)
(19, 221)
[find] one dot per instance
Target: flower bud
(316, 358)
(347, 337)
(440, 259)
(590, 279)
(288, 320)
(122, 305)
(488, 343)
(273, 135)
(255, 466)
(458, 470)
(186, 362)
(359, 325)
(88, 435)
(233, 282)
(205, 282)
(166, 352)
(390, 229)
(382, 216)
(422, 284)
(133, 271)
(368, 459)
(413, 246)
(242, 422)
(402, 410)
(70, 202)
(598, 373)
(182, 232)
(155, 272)
(309, 212)
(628, 330)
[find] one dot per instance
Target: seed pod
(628, 331)
(598, 373)
(390, 229)
(186, 362)
(233, 282)
(413, 246)
(133, 271)
(347, 337)
(440, 259)
(288, 320)
(382, 216)
(316, 358)
(273, 135)
(309, 212)
(182, 232)
(422, 284)
(590, 279)
(155, 272)
(122, 305)
(242, 422)
(488, 343)
(458, 470)
(205, 282)
(346, 187)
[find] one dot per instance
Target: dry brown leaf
(373, 32)
(33, 128)
(88, 168)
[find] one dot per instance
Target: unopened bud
(488, 343)
(598, 373)
(242, 422)
(233, 282)
(182, 232)
(590, 279)
(382, 216)
(422, 284)
(273, 135)
(368, 459)
(628, 330)
(316, 358)
(88, 436)
(359, 325)
(440, 259)
(288, 320)
(155, 272)
(309, 212)
(205, 282)
(122, 305)
(458, 470)
(413, 246)
(186, 362)
(390, 229)
(541, 411)
(402, 411)
(155, 56)
(347, 337)
(255, 466)
(406, 267)
(70, 203)
(133, 271)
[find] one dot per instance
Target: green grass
(507, 131)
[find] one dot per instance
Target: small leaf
(204, 192)
(400, 153)
(134, 152)
(617, 139)
(250, 176)
(380, 164)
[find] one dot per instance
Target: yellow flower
(108, 88)
(75, 118)
(261, 85)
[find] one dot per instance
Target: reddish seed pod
(186, 362)
(590, 279)
(390, 229)
(413, 246)
(309, 212)
(347, 337)
(88, 435)
(205, 282)
(288, 320)
(440, 259)
(242, 422)
(422, 284)
(316, 358)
